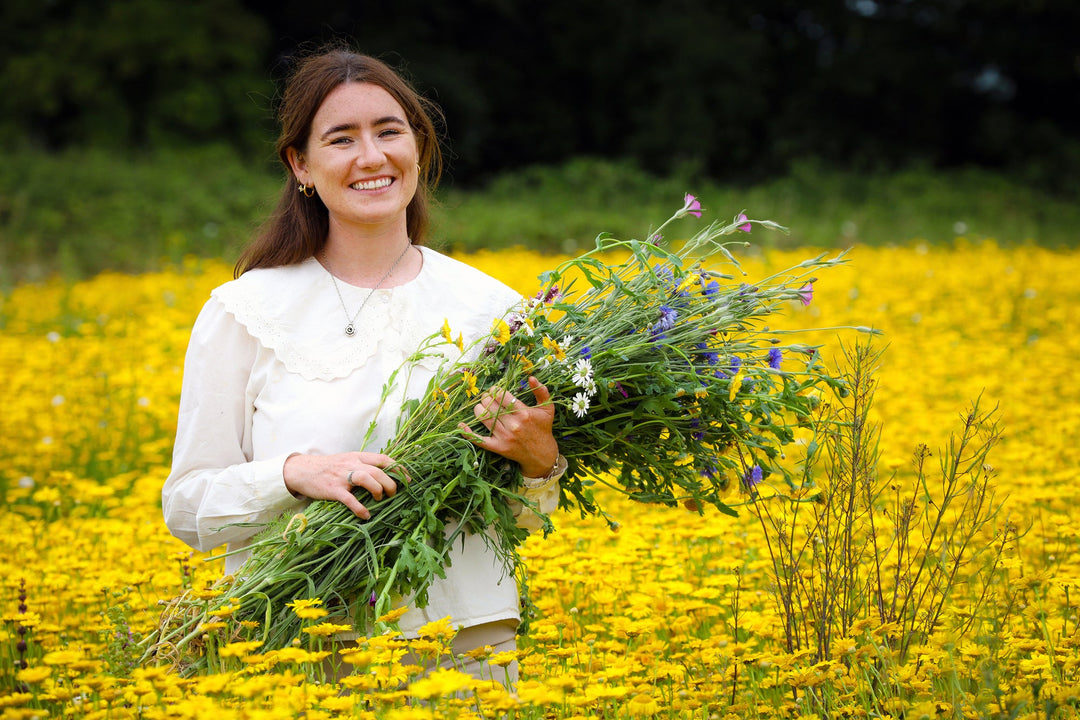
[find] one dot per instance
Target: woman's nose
(369, 153)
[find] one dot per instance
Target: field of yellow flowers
(677, 614)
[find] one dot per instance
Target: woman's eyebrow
(345, 127)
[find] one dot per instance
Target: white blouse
(270, 372)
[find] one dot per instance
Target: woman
(285, 370)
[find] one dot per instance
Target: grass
(81, 212)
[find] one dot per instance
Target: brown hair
(299, 225)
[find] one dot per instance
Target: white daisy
(580, 404)
(582, 373)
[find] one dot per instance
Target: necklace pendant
(350, 330)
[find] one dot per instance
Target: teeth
(372, 184)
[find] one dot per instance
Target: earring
(307, 190)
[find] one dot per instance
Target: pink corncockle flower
(806, 293)
(745, 228)
(691, 206)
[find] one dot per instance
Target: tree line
(725, 90)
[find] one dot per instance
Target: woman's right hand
(332, 477)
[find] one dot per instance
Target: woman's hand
(519, 432)
(332, 477)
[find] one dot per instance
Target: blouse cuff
(270, 482)
(537, 483)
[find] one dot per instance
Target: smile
(372, 184)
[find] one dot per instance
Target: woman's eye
(389, 132)
(340, 140)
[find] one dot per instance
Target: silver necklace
(350, 330)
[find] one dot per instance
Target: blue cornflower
(710, 357)
(775, 356)
(753, 476)
(711, 288)
(736, 363)
(586, 353)
(667, 318)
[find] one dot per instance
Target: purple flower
(753, 477)
(668, 316)
(711, 288)
(736, 363)
(622, 391)
(710, 357)
(552, 294)
(775, 356)
(745, 227)
(586, 353)
(372, 600)
(691, 206)
(656, 239)
(806, 293)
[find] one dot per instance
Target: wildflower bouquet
(667, 386)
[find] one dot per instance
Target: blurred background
(138, 132)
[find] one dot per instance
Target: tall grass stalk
(883, 554)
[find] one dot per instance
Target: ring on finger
(348, 478)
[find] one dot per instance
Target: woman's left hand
(519, 432)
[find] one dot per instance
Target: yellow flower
(327, 629)
(558, 354)
(309, 609)
(298, 655)
(446, 331)
(62, 657)
(393, 616)
(239, 649)
(34, 675)
(207, 593)
(470, 383)
(502, 659)
(500, 331)
(438, 630)
(440, 683)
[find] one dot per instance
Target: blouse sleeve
(214, 482)
(544, 493)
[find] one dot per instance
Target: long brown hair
(299, 225)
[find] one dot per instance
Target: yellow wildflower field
(675, 614)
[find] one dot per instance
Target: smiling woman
(285, 396)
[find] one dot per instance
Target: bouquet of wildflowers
(668, 387)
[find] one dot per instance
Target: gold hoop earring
(307, 190)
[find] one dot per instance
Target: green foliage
(119, 73)
(82, 211)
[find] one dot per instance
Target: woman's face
(361, 157)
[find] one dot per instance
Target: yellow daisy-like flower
(239, 649)
(62, 657)
(460, 342)
(298, 655)
(500, 331)
(327, 629)
(446, 331)
(502, 659)
(207, 593)
(470, 383)
(308, 609)
(393, 616)
(438, 630)
(440, 683)
(558, 354)
(34, 675)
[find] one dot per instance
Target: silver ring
(348, 478)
